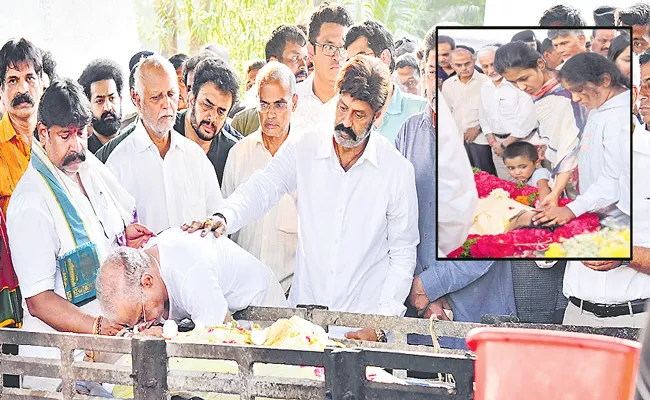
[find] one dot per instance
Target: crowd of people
(319, 185)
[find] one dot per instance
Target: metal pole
(149, 355)
(345, 374)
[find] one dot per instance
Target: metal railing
(344, 369)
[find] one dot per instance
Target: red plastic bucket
(531, 364)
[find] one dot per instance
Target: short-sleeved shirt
(539, 174)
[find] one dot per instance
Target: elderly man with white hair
(179, 276)
(274, 237)
(506, 114)
(167, 174)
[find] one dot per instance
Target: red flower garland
(521, 242)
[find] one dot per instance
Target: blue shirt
(473, 288)
(539, 174)
(401, 106)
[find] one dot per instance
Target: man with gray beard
(169, 175)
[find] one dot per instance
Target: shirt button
(425, 267)
(426, 236)
(431, 204)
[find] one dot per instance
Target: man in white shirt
(358, 228)
(327, 29)
(169, 176)
(463, 95)
(181, 276)
(272, 238)
(65, 215)
(506, 114)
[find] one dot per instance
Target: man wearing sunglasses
(272, 238)
(326, 33)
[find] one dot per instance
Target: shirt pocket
(287, 216)
(507, 106)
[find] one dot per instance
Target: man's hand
(602, 265)
(551, 200)
(418, 297)
(216, 224)
(153, 331)
(471, 134)
(496, 148)
(437, 308)
(110, 328)
(137, 235)
(554, 216)
(366, 334)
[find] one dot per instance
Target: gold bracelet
(97, 325)
(381, 336)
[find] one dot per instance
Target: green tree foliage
(243, 26)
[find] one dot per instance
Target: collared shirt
(623, 283)
(456, 186)
(312, 115)
(14, 159)
(171, 191)
(401, 107)
(506, 110)
(358, 232)
(464, 100)
(272, 238)
(246, 121)
(219, 146)
(208, 277)
(601, 156)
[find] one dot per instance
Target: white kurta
(171, 191)
(464, 100)
(457, 194)
(358, 229)
(312, 114)
(207, 277)
(274, 237)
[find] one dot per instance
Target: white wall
(75, 31)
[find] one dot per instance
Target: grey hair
(273, 72)
(119, 278)
(459, 50)
(553, 33)
(485, 50)
(156, 61)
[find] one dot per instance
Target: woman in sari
(560, 120)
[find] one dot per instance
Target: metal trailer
(344, 368)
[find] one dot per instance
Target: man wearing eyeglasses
(272, 238)
(287, 45)
(326, 32)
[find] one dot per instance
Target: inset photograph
(543, 119)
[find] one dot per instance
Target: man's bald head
(156, 97)
(462, 61)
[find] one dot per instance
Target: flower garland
(522, 242)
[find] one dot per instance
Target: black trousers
(480, 156)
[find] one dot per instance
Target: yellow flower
(555, 250)
(615, 250)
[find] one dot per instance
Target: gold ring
(208, 223)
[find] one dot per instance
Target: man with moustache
(102, 82)
(601, 39)
(358, 221)
(506, 114)
(214, 91)
(66, 214)
(317, 105)
(272, 238)
(169, 175)
(287, 45)
(21, 70)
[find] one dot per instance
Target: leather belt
(501, 136)
(610, 310)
